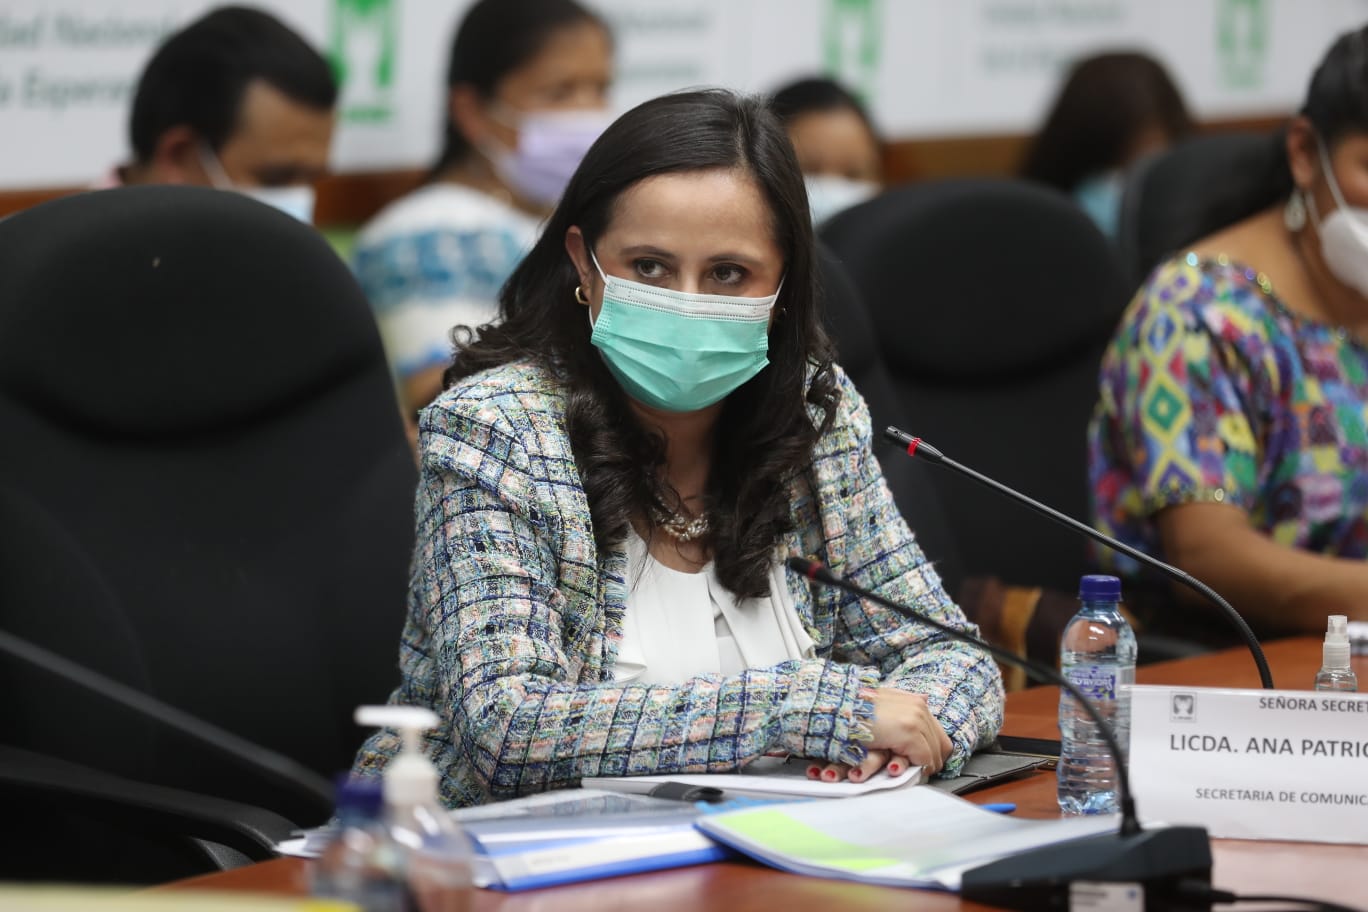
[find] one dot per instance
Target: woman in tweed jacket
(561, 438)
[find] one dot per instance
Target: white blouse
(680, 625)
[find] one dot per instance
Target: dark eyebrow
(737, 257)
(273, 175)
(652, 251)
(646, 250)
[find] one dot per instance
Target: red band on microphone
(812, 569)
(912, 447)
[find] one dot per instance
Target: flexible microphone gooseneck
(1168, 862)
(274, 766)
(819, 573)
(920, 449)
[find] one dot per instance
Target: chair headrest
(1196, 188)
(143, 310)
(979, 278)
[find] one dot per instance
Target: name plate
(1252, 764)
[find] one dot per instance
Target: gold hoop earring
(579, 295)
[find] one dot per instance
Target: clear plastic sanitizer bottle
(1097, 655)
(435, 853)
(1335, 673)
(359, 864)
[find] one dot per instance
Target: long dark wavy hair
(766, 432)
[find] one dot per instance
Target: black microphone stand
(920, 449)
(1172, 865)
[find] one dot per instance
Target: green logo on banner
(1242, 42)
(363, 49)
(852, 33)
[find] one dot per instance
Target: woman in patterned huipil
(1231, 436)
(614, 474)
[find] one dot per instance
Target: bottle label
(1096, 682)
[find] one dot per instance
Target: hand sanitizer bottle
(1335, 673)
(436, 854)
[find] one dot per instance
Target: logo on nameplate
(1183, 707)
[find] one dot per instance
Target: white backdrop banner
(927, 67)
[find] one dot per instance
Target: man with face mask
(234, 100)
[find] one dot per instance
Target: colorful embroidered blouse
(1214, 391)
(515, 616)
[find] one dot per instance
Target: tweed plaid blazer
(515, 616)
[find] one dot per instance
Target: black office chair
(1193, 189)
(912, 485)
(206, 494)
(992, 301)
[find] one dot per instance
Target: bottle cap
(1335, 652)
(1096, 587)
(357, 795)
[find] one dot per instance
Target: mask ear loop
(602, 274)
(1355, 224)
(579, 289)
(213, 167)
(1329, 173)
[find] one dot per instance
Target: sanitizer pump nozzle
(1335, 673)
(437, 859)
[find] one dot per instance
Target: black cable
(1318, 904)
(920, 449)
(1196, 889)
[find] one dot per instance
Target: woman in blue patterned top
(615, 472)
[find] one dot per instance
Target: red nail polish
(814, 771)
(829, 775)
(894, 768)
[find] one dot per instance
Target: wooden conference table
(1322, 871)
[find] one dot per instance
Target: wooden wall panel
(350, 199)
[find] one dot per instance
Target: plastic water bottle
(360, 865)
(1096, 654)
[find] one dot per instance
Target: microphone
(920, 449)
(1168, 863)
(270, 764)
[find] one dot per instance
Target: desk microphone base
(1155, 861)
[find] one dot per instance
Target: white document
(918, 837)
(767, 777)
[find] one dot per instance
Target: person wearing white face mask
(837, 146)
(235, 100)
(295, 200)
(527, 95)
(1231, 435)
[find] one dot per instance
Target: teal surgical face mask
(676, 351)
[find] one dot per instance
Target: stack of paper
(567, 836)
(917, 837)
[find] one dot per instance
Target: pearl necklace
(681, 529)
